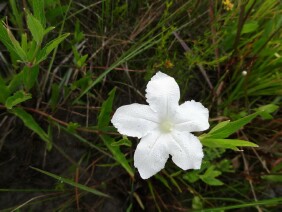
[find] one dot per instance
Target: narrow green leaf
(103, 122)
(55, 96)
(32, 50)
(106, 109)
(211, 181)
(162, 180)
(18, 97)
(197, 203)
(191, 176)
(38, 11)
(267, 202)
(24, 42)
(16, 46)
(226, 143)
(32, 124)
(249, 27)
(17, 14)
(209, 177)
(118, 155)
(123, 142)
(4, 91)
(5, 39)
(49, 29)
(227, 129)
(42, 55)
(219, 126)
(273, 178)
(72, 183)
(16, 82)
(82, 83)
(270, 108)
(30, 75)
(35, 28)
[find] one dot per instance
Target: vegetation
(67, 65)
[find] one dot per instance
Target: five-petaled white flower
(164, 127)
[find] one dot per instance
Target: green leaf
(27, 78)
(270, 108)
(103, 122)
(17, 14)
(106, 109)
(197, 203)
(42, 55)
(32, 124)
(35, 28)
(38, 11)
(24, 42)
(30, 75)
(55, 96)
(16, 82)
(219, 126)
(18, 97)
(273, 178)
(249, 27)
(72, 126)
(118, 155)
(16, 46)
(81, 61)
(82, 83)
(226, 129)
(162, 180)
(226, 143)
(209, 177)
(5, 39)
(4, 91)
(191, 176)
(49, 29)
(72, 183)
(123, 142)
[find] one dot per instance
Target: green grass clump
(66, 66)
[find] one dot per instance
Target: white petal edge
(151, 154)
(135, 120)
(186, 150)
(191, 116)
(163, 94)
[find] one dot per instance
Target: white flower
(164, 127)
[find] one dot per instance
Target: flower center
(166, 126)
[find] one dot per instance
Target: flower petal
(192, 117)
(163, 94)
(186, 150)
(134, 120)
(151, 154)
